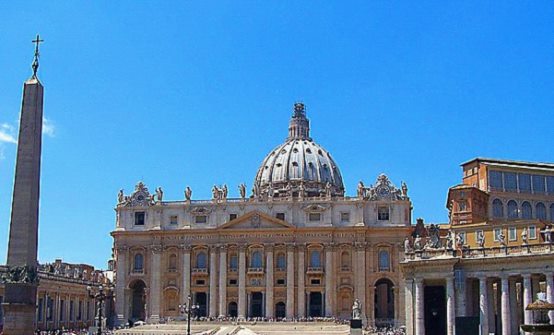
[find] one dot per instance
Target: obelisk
(21, 282)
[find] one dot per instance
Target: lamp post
(99, 297)
(188, 308)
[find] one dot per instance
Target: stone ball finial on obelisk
(22, 280)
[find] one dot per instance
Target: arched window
(497, 209)
(138, 263)
(552, 212)
(281, 261)
(540, 211)
(526, 210)
(201, 260)
(315, 258)
(512, 210)
(345, 261)
(234, 262)
(172, 266)
(256, 260)
(384, 260)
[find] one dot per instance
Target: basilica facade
(295, 246)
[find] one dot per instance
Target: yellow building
(497, 255)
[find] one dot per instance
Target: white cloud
(7, 133)
(48, 127)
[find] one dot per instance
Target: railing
(137, 271)
(256, 270)
(199, 270)
(281, 269)
(536, 249)
(315, 269)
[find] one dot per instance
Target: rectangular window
(232, 216)
(383, 213)
(234, 262)
(200, 282)
(316, 281)
(478, 233)
(232, 282)
(462, 206)
(345, 217)
(538, 184)
(510, 182)
(40, 308)
(280, 216)
(512, 234)
(495, 180)
(524, 182)
(200, 219)
(139, 218)
(314, 217)
(173, 220)
(281, 282)
(550, 184)
(497, 232)
(532, 232)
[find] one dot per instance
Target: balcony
(137, 272)
(199, 271)
(255, 270)
(315, 269)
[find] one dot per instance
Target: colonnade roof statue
(299, 166)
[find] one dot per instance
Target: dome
(299, 167)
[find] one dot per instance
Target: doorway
(435, 310)
(316, 304)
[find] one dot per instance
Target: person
(360, 189)
(356, 310)
(159, 193)
(524, 236)
(188, 193)
(242, 190)
(481, 239)
(120, 196)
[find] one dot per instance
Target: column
(359, 292)
(329, 289)
(301, 282)
(483, 305)
(290, 282)
(505, 305)
(409, 305)
(269, 312)
(550, 293)
(121, 273)
(242, 282)
(223, 281)
(527, 298)
(450, 306)
(155, 284)
(514, 319)
(461, 286)
(213, 282)
(185, 292)
(420, 311)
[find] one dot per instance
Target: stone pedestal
(356, 327)
(19, 314)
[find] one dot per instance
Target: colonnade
(301, 278)
(506, 293)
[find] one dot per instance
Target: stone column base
(19, 319)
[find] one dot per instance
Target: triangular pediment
(256, 220)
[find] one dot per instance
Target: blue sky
(197, 93)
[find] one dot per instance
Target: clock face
(140, 197)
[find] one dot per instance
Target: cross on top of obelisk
(37, 41)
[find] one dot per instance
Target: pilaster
(269, 310)
(290, 282)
